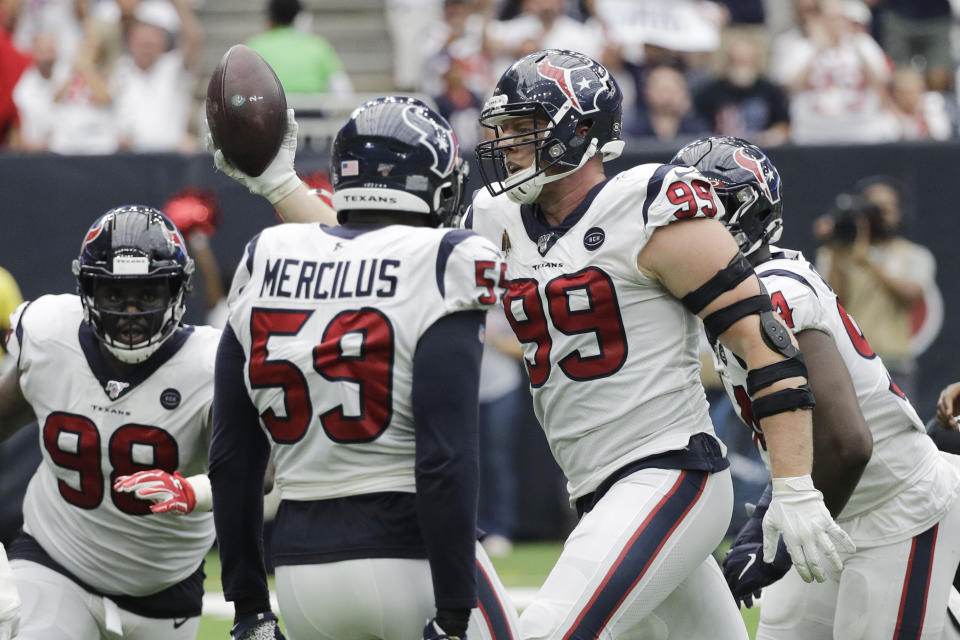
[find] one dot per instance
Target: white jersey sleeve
(15, 336)
(797, 302)
(676, 193)
(474, 274)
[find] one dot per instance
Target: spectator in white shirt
(153, 84)
(35, 94)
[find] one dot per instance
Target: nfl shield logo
(544, 243)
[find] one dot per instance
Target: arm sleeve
(446, 376)
(238, 459)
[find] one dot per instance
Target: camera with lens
(847, 212)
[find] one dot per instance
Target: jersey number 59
(356, 346)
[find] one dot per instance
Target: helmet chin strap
(529, 189)
(133, 356)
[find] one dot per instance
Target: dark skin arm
(842, 442)
(15, 411)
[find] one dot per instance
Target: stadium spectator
(541, 24)
(878, 274)
(836, 77)
(35, 95)
(64, 18)
(458, 104)
(108, 30)
(916, 33)
(501, 392)
(85, 122)
(379, 494)
(408, 21)
(152, 85)
(666, 111)
(304, 62)
(920, 114)
(196, 214)
(12, 65)
(458, 36)
(743, 102)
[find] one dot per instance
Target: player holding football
(607, 277)
(118, 386)
(903, 512)
(352, 356)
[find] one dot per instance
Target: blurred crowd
(99, 76)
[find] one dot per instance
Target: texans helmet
(561, 91)
(747, 183)
(127, 251)
(397, 154)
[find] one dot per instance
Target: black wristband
(454, 622)
(249, 607)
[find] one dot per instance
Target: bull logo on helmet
(433, 137)
(755, 167)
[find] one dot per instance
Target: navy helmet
(397, 154)
(747, 183)
(128, 247)
(562, 91)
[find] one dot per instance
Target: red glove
(193, 210)
(168, 492)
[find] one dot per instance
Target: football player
(118, 385)
(352, 358)
(882, 478)
(607, 278)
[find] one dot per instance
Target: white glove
(813, 540)
(9, 600)
(279, 179)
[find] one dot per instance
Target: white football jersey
(329, 320)
(907, 486)
(612, 355)
(94, 429)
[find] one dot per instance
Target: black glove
(449, 624)
(743, 567)
(256, 626)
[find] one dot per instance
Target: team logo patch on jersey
(114, 388)
(170, 398)
(593, 238)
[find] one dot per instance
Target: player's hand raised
(168, 492)
(813, 540)
(279, 179)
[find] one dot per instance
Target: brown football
(246, 109)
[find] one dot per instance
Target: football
(246, 110)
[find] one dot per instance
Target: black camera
(848, 210)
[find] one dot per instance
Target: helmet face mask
(747, 184)
(132, 276)
(395, 154)
(561, 92)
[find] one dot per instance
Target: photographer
(879, 275)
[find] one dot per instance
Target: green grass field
(527, 566)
